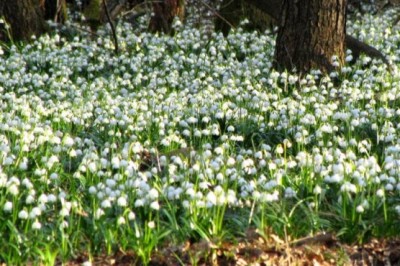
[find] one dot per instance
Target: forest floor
(322, 249)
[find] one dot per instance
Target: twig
(217, 14)
(114, 33)
(80, 29)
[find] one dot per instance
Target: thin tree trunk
(310, 33)
(55, 10)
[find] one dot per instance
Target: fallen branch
(317, 239)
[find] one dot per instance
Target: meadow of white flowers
(191, 136)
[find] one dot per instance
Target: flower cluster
(190, 124)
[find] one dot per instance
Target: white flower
(13, 189)
(99, 212)
(186, 133)
(231, 198)
(115, 162)
(165, 142)
(336, 178)
(220, 177)
(8, 206)
(192, 120)
(87, 263)
(389, 187)
(151, 224)
(23, 215)
(92, 167)
(204, 185)
(92, 190)
(185, 204)
(68, 141)
(190, 192)
(100, 195)
(105, 204)
(256, 195)
(349, 58)
(365, 204)
(270, 197)
(51, 198)
(72, 153)
(139, 203)
(64, 212)
(43, 198)
(380, 193)
(397, 208)
(219, 150)
(214, 165)
(153, 194)
(279, 149)
(110, 183)
(338, 169)
(155, 205)
(197, 133)
(348, 187)
(248, 165)
(258, 155)
(30, 199)
(24, 164)
(36, 225)
(211, 199)
(230, 129)
(272, 166)
(8, 161)
(54, 176)
(122, 202)
(64, 224)
(317, 190)
(360, 209)
(51, 161)
(35, 212)
(205, 119)
(121, 220)
(131, 216)
(231, 161)
(289, 193)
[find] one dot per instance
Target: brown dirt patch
(321, 249)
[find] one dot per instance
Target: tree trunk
(164, 13)
(310, 33)
(25, 18)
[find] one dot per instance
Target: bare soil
(321, 249)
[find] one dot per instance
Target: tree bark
(164, 13)
(310, 33)
(25, 18)
(273, 8)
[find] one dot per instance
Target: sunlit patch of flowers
(179, 133)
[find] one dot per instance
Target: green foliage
(178, 140)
